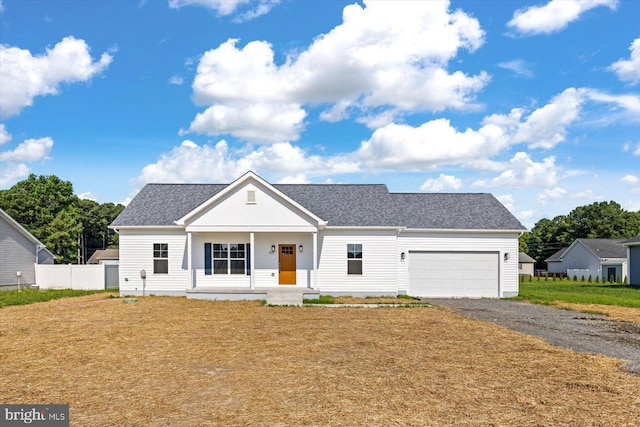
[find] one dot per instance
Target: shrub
(590, 278)
(626, 282)
(582, 278)
(598, 279)
(530, 279)
(575, 278)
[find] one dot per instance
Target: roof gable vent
(251, 197)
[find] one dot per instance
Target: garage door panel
(454, 274)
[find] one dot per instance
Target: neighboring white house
(603, 258)
(633, 260)
(525, 264)
(240, 239)
(105, 256)
(20, 251)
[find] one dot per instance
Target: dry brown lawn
(169, 361)
(629, 314)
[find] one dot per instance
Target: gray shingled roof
(606, 248)
(522, 257)
(338, 204)
(632, 240)
(557, 257)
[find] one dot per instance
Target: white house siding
(378, 262)
(265, 264)
(136, 253)
(463, 242)
(17, 253)
(269, 212)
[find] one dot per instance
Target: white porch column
(189, 261)
(252, 251)
(315, 261)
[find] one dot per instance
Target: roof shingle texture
(606, 248)
(369, 205)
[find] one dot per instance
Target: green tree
(36, 201)
(63, 236)
(602, 220)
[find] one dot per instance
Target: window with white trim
(354, 258)
(160, 258)
(228, 258)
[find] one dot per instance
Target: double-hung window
(228, 258)
(160, 258)
(354, 258)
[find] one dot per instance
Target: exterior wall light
(402, 256)
(273, 248)
(506, 256)
(300, 248)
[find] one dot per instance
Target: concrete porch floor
(281, 295)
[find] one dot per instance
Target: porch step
(284, 297)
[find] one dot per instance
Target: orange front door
(287, 262)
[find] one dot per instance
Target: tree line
(600, 220)
(71, 228)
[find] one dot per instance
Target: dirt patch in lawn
(629, 314)
(377, 300)
(174, 362)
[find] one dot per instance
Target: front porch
(282, 295)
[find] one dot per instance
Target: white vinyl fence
(70, 276)
(578, 272)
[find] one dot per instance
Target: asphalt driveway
(582, 332)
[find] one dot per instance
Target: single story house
(241, 239)
(104, 256)
(525, 264)
(633, 260)
(603, 258)
(20, 251)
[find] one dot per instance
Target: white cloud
(385, 55)
(630, 179)
(176, 80)
(442, 183)
(262, 8)
(549, 194)
(554, 16)
(629, 103)
(229, 7)
(518, 66)
(506, 200)
(222, 7)
(24, 76)
(87, 196)
(629, 70)
(587, 195)
(13, 174)
(524, 172)
(403, 147)
(4, 135)
(30, 150)
(300, 178)
(191, 162)
(256, 122)
(1, 7)
(547, 126)
(526, 214)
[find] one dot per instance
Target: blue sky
(537, 102)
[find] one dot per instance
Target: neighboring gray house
(525, 264)
(603, 258)
(633, 260)
(241, 239)
(554, 262)
(20, 251)
(105, 256)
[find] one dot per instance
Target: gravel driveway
(587, 333)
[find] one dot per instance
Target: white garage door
(454, 274)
